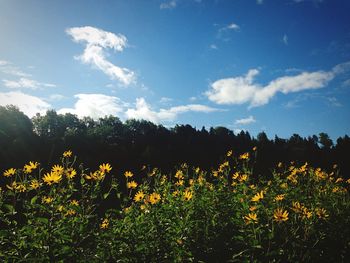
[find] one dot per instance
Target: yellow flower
(139, 196)
(280, 215)
(348, 181)
(128, 174)
(252, 208)
(197, 170)
(179, 175)
(321, 213)
(28, 168)
(13, 186)
(35, 184)
(154, 198)
(215, 173)
(339, 180)
(320, 174)
(280, 165)
(104, 224)
(70, 212)
(235, 175)
(105, 167)
(187, 195)
(179, 183)
(47, 199)
(131, 185)
(9, 172)
(251, 218)
(297, 207)
(74, 202)
(52, 177)
(67, 153)
(97, 175)
(71, 173)
(284, 186)
(154, 171)
(21, 188)
(244, 156)
(258, 196)
(243, 178)
(279, 197)
(306, 213)
(60, 208)
(176, 193)
(229, 153)
(255, 148)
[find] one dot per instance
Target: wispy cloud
(97, 41)
(232, 26)
(30, 105)
(285, 39)
(10, 69)
(95, 106)
(333, 101)
(144, 111)
(26, 83)
(168, 5)
(243, 89)
(56, 97)
(259, 2)
(165, 100)
(213, 46)
(245, 121)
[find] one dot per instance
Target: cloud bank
(243, 89)
(95, 106)
(143, 110)
(30, 105)
(245, 121)
(97, 41)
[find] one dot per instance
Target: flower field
(63, 213)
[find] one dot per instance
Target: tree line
(132, 144)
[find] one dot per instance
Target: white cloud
(245, 121)
(8, 68)
(165, 100)
(213, 46)
(346, 83)
(334, 102)
(56, 97)
(259, 2)
(168, 5)
(95, 105)
(285, 39)
(143, 110)
(25, 83)
(97, 41)
(243, 89)
(233, 26)
(30, 105)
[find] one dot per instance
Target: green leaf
(105, 195)
(33, 200)
(43, 220)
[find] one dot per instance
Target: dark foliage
(130, 145)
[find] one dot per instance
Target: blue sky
(282, 67)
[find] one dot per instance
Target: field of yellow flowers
(295, 214)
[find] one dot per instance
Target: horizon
(281, 68)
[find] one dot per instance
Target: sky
(278, 66)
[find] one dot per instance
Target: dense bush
(300, 214)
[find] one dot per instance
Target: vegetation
(281, 200)
(135, 143)
(53, 214)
